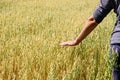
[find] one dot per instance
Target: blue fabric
(104, 7)
(115, 54)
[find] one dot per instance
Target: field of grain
(30, 34)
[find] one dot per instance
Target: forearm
(88, 27)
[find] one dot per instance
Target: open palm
(68, 43)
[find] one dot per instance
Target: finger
(64, 44)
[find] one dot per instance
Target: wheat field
(30, 34)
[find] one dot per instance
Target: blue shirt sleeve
(104, 7)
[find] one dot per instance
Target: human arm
(88, 27)
(104, 7)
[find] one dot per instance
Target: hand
(69, 43)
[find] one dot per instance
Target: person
(101, 11)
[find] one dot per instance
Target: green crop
(30, 34)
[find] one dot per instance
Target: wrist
(76, 42)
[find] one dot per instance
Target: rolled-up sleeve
(104, 7)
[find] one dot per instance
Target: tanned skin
(88, 27)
